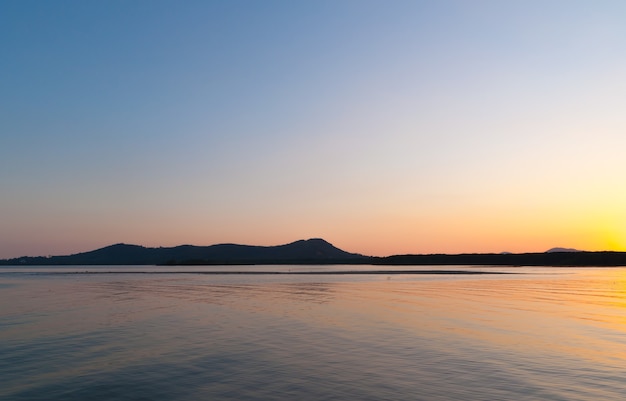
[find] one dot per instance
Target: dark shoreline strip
(309, 273)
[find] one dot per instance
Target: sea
(312, 333)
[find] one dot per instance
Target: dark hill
(558, 249)
(303, 251)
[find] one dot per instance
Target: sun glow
(615, 240)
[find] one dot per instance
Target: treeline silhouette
(511, 259)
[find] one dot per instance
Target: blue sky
(384, 127)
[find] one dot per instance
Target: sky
(384, 127)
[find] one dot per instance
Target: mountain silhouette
(558, 249)
(315, 250)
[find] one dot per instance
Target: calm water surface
(547, 334)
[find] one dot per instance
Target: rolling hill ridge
(315, 250)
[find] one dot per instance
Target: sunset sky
(384, 127)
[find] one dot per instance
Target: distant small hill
(557, 249)
(315, 250)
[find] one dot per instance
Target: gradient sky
(384, 127)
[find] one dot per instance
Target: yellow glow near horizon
(612, 237)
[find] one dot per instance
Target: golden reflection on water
(578, 315)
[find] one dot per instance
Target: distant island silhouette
(309, 252)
